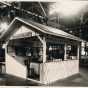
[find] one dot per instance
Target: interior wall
(15, 67)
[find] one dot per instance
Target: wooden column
(65, 51)
(78, 51)
(43, 41)
(44, 50)
(5, 47)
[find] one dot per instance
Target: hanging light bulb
(50, 48)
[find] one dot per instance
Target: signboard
(22, 35)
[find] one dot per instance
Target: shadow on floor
(75, 80)
(10, 80)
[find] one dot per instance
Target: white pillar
(78, 51)
(5, 47)
(44, 50)
(43, 41)
(65, 51)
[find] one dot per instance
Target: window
(71, 51)
(55, 51)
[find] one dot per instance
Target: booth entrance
(27, 52)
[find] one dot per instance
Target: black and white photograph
(44, 43)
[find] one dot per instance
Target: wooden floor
(79, 80)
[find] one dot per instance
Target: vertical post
(5, 47)
(65, 51)
(44, 50)
(43, 41)
(42, 66)
(78, 51)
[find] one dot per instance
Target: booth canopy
(37, 27)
